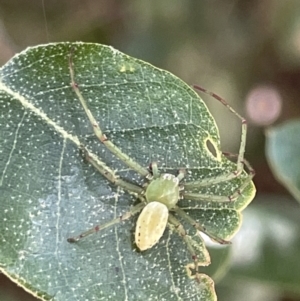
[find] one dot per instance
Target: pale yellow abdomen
(150, 225)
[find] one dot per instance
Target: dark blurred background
(246, 51)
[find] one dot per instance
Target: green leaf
(49, 193)
(283, 149)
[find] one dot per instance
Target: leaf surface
(49, 193)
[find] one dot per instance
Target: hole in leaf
(212, 149)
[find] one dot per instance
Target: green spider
(162, 191)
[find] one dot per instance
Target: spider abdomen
(150, 225)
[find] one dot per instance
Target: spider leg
(175, 225)
(240, 160)
(240, 156)
(97, 130)
(181, 174)
(134, 210)
(214, 198)
(155, 170)
(199, 227)
(205, 197)
(109, 173)
(251, 174)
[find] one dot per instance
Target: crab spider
(162, 191)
